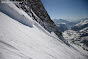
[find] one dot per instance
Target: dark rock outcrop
(36, 10)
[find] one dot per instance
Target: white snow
(12, 11)
(70, 34)
(85, 29)
(82, 23)
(18, 41)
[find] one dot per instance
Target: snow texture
(18, 41)
(12, 11)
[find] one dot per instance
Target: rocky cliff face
(36, 10)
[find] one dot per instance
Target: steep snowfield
(11, 10)
(18, 41)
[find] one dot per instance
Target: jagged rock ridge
(36, 10)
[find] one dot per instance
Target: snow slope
(18, 41)
(11, 10)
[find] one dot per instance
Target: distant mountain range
(60, 21)
(80, 25)
(78, 34)
(64, 25)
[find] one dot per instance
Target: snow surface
(12, 11)
(18, 41)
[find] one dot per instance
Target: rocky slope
(36, 10)
(21, 37)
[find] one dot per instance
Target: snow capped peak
(82, 23)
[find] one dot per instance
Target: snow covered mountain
(21, 37)
(80, 25)
(64, 25)
(78, 34)
(60, 21)
(36, 10)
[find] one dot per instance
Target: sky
(66, 9)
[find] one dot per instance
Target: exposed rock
(36, 10)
